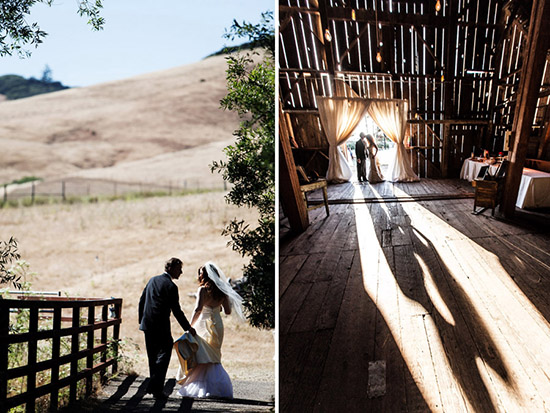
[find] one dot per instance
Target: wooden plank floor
(402, 301)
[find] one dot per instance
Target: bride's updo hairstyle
(211, 287)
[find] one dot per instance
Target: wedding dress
(375, 174)
(201, 373)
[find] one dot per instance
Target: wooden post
(63, 191)
(4, 347)
(32, 192)
(290, 194)
(543, 146)
(448, 107)
(90, 358)
(532, 69)
(116, 336)
(56, 348)
(74, 351)
(31, 360)
(328, 44)
(104, 317)
(5, 193)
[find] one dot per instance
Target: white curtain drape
(391, 117)
(339, 117)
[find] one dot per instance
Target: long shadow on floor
(466, 338)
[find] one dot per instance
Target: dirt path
(127, 394)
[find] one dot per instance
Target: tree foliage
(9, 255)
(16, 34)
(17, 87)
(250, 165)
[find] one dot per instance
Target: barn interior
(425, 294)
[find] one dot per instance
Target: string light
(378, 57)
(438, 6)
(353, 14)
(328, 36)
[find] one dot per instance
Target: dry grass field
(111, 249)
(160, 127)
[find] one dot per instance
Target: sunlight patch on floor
(519, 333)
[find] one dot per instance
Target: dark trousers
(362, 170)
(159, 350)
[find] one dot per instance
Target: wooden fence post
(32, 192)
(5, 193)
(56, 349)
(31, 360)
(90, 358)
(104, 317)
(63, 190)
(4, 347)
(74, 350)
(116, 337)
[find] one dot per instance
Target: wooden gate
(58, 320)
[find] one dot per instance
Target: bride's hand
(192, 331)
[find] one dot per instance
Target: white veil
(219, 278)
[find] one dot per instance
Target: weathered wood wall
(460, 64)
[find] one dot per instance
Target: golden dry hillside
(146, 128)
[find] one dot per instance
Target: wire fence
(65, 189)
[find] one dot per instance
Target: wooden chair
(488, 190)
(307, 186)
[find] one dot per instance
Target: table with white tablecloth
(471, 167)
(534, 189)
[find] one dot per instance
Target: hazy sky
(138, 37)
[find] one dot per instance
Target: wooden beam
(323, 6)
(533, 66)
(399, 19)
(545, 141)
(448, 101)
(451, 121)
(354, 43)
(289, 186)
(426, 45)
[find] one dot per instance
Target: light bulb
(328, 36)
(378, 57)
(438, 6)
(353, 14)
(442, 78)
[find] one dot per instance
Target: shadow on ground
(127, 394)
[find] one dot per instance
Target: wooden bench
(312, 186)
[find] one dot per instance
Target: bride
(375, 175)
(201, 373)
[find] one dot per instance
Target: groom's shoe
(160, 395)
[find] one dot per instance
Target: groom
(159, 298)
(360, 153)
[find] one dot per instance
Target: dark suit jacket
(360, 150)
(159, 298)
